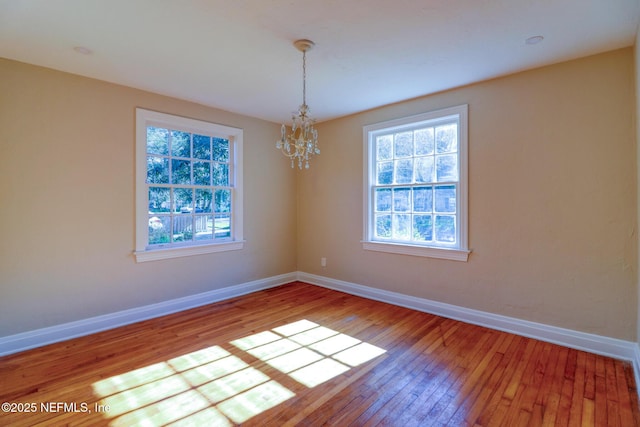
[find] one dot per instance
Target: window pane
(159, 199)
(445, 228)
(384, 147)
(401, 200)
(202, 147)
(222, 228)
(404, 171)
(424, 169)
(383, 200)
(424, 141)
(204, 201)
(202, 173)
(221, 150)
(157, 141)
(403, 144)
(447, 168)
(401, 226)
(178, 193)
(445, 198)
(422, 199)
(223, 201)
(159, 227)
(384, 173)
(220, 174)
(157, 170)
(204, 227)
(423, 227)
(180, 144)
(414, 195)
(180, 171)
(383, 226)
(183, 200)
(447, 138)
(182, 228)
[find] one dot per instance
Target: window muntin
(188, 185)
(415, 170)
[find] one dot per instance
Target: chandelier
(302, 143)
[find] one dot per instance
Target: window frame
(458, 252)
(143, 252)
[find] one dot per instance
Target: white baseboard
(636, 364)
(39, 337)
(616, 348)
(612, 347)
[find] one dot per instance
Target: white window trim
(461, 251)
(141, 252)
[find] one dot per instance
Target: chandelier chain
(304, 77)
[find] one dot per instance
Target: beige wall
(552, 200)
(636, 52)
(67, 212)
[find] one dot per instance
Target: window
(188, 186)
(415, 198)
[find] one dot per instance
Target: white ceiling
(238, 54)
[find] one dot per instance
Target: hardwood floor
(303, 355)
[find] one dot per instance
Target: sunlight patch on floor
(133, 379)
(307, 352)
(211, 371)
(198, 358)
(232, 384)
(273, 349)
(313, 335)
(255, 401)
(294, 360)
(216, 388)
(318, 372)
(255, 340)
(359, 354)
(165, 411)
(209, 384)
(295, 327)
(144, 395)
(334, 344)
(209, 417)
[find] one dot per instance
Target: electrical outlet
(323, 262)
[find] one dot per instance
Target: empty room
(341, 212)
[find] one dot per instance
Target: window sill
(423, 251)
(158, 254)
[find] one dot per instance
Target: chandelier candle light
(302, 143)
